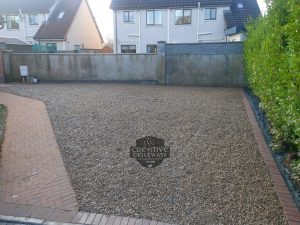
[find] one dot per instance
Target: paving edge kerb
(290, 209)
(35, 215)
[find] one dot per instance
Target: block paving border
(290, 209)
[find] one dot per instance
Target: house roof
(237, 17)
(147, 4)
(12, 41)
(55, 28)
(27, 6)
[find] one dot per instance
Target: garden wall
(84, 67)
(207, 64)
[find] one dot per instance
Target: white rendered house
(139, 25)
(57, 24)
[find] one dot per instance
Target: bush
(272, 56)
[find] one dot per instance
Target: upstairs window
(61, 15)
(154, 17)
(33, 20)
(12, 22)
(210, 13)
(183, 16)
(128, 16)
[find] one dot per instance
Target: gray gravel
(215, 174)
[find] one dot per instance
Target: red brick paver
(289, 207)
(32, 171)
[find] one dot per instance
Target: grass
(3, 114)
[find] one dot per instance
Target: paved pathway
(32, 171)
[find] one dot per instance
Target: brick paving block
(153, 223)
(90, 218)
(111, 220)
(131, 221)
(118, 220)
(54, 214)
(146, 222)
(290, 222)
(97, 219)
(139, 222)
(103, 220)
(77, 217)
(125, 221)
(84, 217)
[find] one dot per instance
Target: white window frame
(183, 15)
(210, 14)
(128, 14)
(35, 20)
(16, 18)
(154, 20)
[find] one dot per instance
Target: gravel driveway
(214, 175)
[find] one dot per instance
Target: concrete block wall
(203, 64)
(140, 68)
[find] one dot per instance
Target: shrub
(272, 56)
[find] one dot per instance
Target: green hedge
(272, 55)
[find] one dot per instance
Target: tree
(109, 42)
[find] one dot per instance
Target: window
(210, 14)
(151, 48)
(240, 5)
(183, 16)
(128, 49)
(61, 15)
(12, 22)
(154, 17)
(33, 20)
(128, 16)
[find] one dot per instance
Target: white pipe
(115, 32)
(140, 31)
(198, 26)
(22, 17)
(168, 27)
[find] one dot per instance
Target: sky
(104, 15)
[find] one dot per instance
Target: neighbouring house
(56, 24)
(140, 24)
(24, 17)
(15, 45)
(71, 26)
